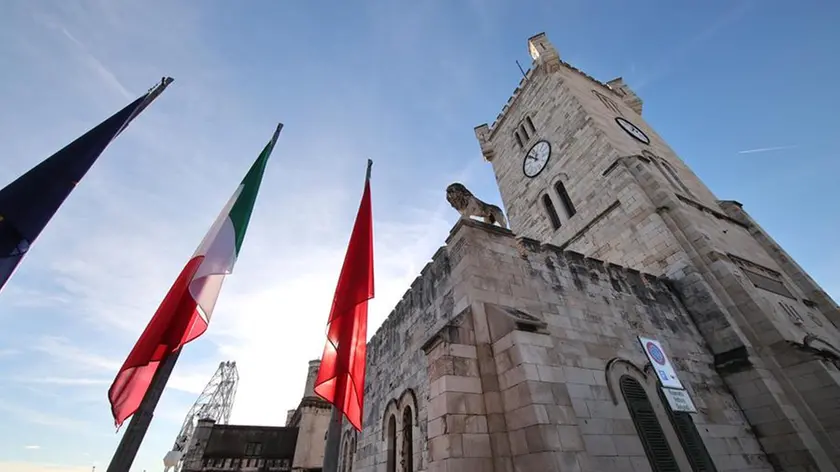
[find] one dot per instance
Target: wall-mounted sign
(661, 365)
(679, 400)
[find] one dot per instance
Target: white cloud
(32, 447)
(40, 418)
(9, 352)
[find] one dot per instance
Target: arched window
(608, 102)
(391, 445)
(552, 213)
(407, 460)
(568, 206)
(518, 138)
(690, 438)
(669, 173)
(345, 455)
(525, 132)
(647, 426)
(351, 457)
(530, 124)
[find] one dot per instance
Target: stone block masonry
(503, 345)
(513, 353)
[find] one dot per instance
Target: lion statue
(467, 204)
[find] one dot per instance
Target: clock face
(632, 130)
(536, 159)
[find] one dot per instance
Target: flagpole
(142, 418)
(151, 95)
(333, 446)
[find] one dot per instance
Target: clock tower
(579, 168)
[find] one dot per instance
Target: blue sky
(403, 83)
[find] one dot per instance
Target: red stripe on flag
(172, 326)
(341, 377)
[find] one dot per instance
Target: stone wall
(503, 345)
(397, 368)
(640, 206)
(312, 418)
(554, 387)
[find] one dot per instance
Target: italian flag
(187, 308)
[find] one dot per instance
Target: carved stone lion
(467, 204)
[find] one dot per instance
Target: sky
(742, 90)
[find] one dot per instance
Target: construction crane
(215, 402)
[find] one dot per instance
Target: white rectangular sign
(679, 400)
(661, 365)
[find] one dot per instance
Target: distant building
(237, 447)
(298, 446)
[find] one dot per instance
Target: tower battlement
(544, 55)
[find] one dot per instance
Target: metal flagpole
(333, 445)
(142, 418)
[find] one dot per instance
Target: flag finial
(369, 166)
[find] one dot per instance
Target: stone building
(298, 446)
(520, 350)
(224, 447)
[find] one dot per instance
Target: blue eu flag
(28, 203)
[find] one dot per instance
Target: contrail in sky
(767, 149)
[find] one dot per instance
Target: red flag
(341, 377)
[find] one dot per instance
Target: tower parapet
(545, 57)
(628, 96)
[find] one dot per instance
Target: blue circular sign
(655, 353)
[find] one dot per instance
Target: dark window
(792, 313)
(253, 449)
(647, 426)
(766, 283)
(672, 177)
(530, 124)
(608, 102)
(568, 206)
(690, 438)
(518, 139)
(408, 442)
(345, 456)
(236, 463)
(525, 133)
(391, 446)
(352, 454)
(552, 213)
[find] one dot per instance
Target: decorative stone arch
(389, 436)
(391, 408)
(820, 348)
(409, 399)
(408, 430)
(400, 432)
(638, 391)
(561, 194)
(617, 367)
(346, 463)
(667, 170)
(352, 448)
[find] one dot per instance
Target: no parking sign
(661, 364)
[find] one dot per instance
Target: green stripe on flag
(240, 213)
